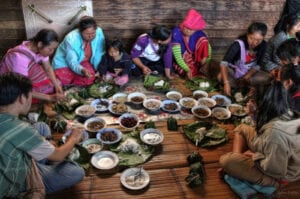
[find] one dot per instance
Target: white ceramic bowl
(221, 113)
(105, 160)
(170, 106)
(187, 102)
(152, 104)
(85, 111)
(129, 121)
(135, 178)
(136, 98)
(201, 111)
(92, 145)
(109, 135)
(118, 109)
(197, 94)
(237, 110)
(119, 98)
(152, 136)
(94, 124)
(205, 101)
(174, 95)
(221, 100)
(101, 105)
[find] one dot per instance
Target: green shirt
(16, 139)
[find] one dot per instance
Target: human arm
(61, 152)
(145, 69)
(224, 77)
(176, 49)
(49, 70)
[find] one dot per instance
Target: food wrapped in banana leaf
(197, 174)
(204, 134)
(197, 83)
(102, 90)
(156, 83)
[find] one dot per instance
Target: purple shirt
(142, 44)
(18, 62)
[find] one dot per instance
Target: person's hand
(248, 153)
(56, 97)
(189, 75)
(275, 73)
(227, 88)
(59, 89)
(146, 70)
(86, 73)
(76, 135)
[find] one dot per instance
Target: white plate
(105, 160)
(135, 183)
(226, 100)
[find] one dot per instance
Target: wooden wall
(226, 19)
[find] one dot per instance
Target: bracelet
(226, 82)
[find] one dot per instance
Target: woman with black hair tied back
(288, 29)
(152, 52)
(290, 78)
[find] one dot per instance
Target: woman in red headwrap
(191, 48)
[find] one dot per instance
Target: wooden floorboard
(167, 169)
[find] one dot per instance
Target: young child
(116, 64)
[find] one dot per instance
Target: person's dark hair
(162, 33)
(289, 50)
(275, 103)
(46, 36)
(115, 43)
(258, 27)
(13, 85)
(291, 72)
(86, 22)
(287, 22)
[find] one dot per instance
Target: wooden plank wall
(226, 19)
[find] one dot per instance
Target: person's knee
(225, 160)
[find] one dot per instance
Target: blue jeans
(60, 175)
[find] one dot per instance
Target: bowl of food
(129, 120)
(105, 160)
(152, 136)
(221, 100)
(187, 102)
(135, 178)
(85, 111)
(109, 135)
(206, 101)
(170, 106)
(221, 113)
(201, 111)
(66, 136)
(174, 95)
(237, 110)
(118, 109)
(136, 98)
(152, 104)
(101, 105)
(197, 94)
(92, 145)
(119, 98)
(94, 124)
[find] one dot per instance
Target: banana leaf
(130, 158)
(102, 90)
(195, 84)
(213, 135)
(80, 155)
(150, 81)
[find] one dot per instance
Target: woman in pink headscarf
(191, 49)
